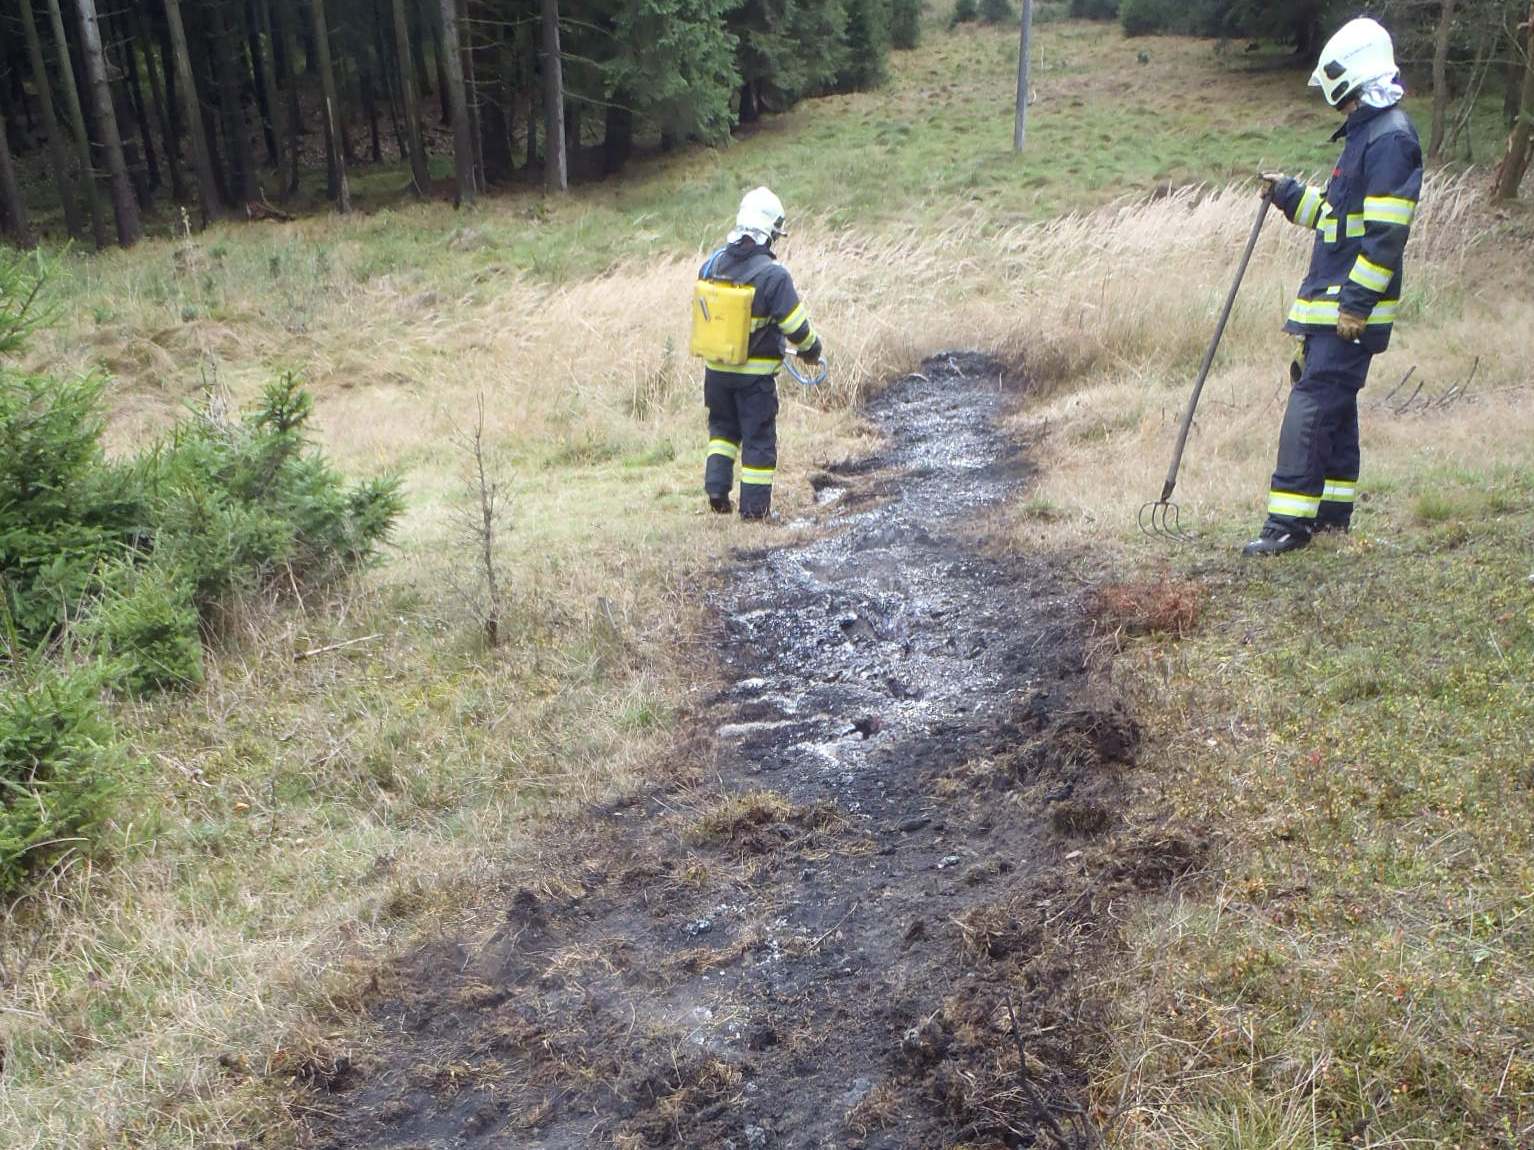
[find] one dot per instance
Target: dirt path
(897, 821)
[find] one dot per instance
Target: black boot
(1336, 526)
(720, 504)
(1276, 540)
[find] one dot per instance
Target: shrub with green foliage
(59, 766)
(866, 43)
(1094, 9)
(1173, 17)
(997, 11)
(144, 554)
(905, 23)
(138, 559)
(147, 625)
(965, 12)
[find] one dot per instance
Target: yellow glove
(1350, 326)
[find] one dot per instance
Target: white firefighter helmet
(760, 216)
(1360, 53)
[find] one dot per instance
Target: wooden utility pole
(1024, 52)
(77, 123)
(1516, 162)
(58, 154)
(124, 201)
(420, 177)
(191, 115)
(555, 176)
(463, 135)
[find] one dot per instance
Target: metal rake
(1161, 518)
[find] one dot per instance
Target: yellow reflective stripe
(1389, 210)
(760, 321)
(1327, 223)
(759, 476)
(1340, 491)
(1309, 209)
(1294, 504)
(1356, 228)
(809, 338)
(723, 447)
(1324, 312)
(750, 367)
(793, 319)
(1367, 273)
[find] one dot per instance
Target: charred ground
(853, 909)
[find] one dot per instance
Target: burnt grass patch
(856, 909)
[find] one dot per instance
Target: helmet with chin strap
(760, 216)
(1360, 53)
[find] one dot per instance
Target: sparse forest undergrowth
(1346, 729)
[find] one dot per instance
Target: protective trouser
(742, 423)
(1316, 480)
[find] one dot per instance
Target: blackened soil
(855, 914)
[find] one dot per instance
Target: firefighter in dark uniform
(1352, 293)
(742, 399)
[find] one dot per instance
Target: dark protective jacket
(777, 313)
(1362, 221)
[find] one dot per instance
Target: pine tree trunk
(13, 210)
(471, 90)
(420, 16)
(368, 69)
(388, 58)
(556, 176)
(1516, 162)
(287, 33)
(58, 154)
(191, 115)
(749, 113)
(1441, 80)
(495, 115)
(617, 136)
(330, 111)
(532, 100)
(1512, 87)
(124, 203)
(263, 46)
(242, 174)
(76, 116)
(127, 101)
(163, 93)
(420, 176)
(140, 106)
(463, 136)
(444, 93)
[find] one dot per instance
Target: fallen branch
(300, 656)
(1404, 380)
(835, 927)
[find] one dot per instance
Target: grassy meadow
(1343, 727)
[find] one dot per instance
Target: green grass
(1355, 728)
